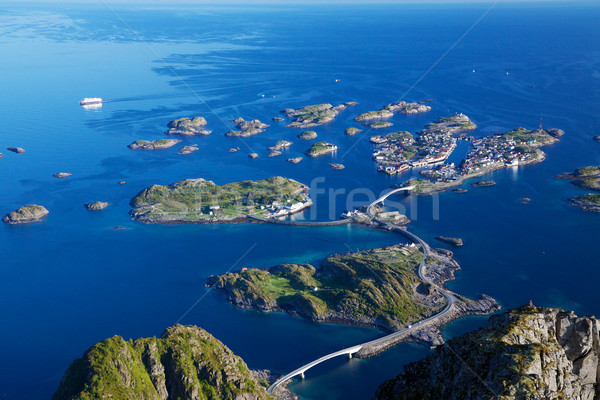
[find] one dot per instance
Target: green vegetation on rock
(529, 353)
(379, 125)
(352, 131)
(187, 126)
(319, 148)
(199, 200)
(186, 362)
(376, 288)
(25, 215)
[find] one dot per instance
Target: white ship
(90, 101)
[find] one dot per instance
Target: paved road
(354, 349)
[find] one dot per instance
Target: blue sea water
(74, 280)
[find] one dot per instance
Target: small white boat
(90, 100)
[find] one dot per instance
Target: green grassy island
(318, 114)
(186, 362)
(379, 125)
(201, 201)
(320, 148)
(352, 131)
(377, 288)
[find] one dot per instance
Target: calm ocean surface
(74, 280)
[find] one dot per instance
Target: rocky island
(62, 175)
(96, 206)
(586, 178)
(307, 135)
(247, 128)
(377, 288)
(186, 362)
(188, 127)
(379, 125)
(153, 144)
(456, 242)
(352, 131)
(388, 111)
(318, 114)
(320, 148)
(203, 202)
(26, 215)
(278, 147)
(528, 353)
(17, 150)
(188, 149)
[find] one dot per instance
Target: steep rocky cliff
(185, 363)
(528, 353)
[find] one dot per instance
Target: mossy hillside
(503, 356)
(193, 198)
(186, 362)
(375, 285)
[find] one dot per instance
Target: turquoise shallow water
(73, 280)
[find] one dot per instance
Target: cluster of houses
(494, 150)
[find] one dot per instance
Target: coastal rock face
(96, 206)
(186, 362)
(188, 127)
(529, 353)
(26, 215)
(153, 144)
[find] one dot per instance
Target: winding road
(391, 337)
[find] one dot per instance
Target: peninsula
(186, 362)
(203, 202)
(525, 353)
(188, 127)
(318, 114)
(378, 288)
(247, 128)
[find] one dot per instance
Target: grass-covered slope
(193, 200)
(185, 363)
(377, 288)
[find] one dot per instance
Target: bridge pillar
(349, 355)
(302, 375)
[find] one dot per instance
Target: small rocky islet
(307, 135)
(314, 115)
(62, 175)
(28, 214)
(96, 205)
(585, 178)
(188, 127)
(153, 144)
(18, 150)
(246, 128)
(453, 241)
(320, 148)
